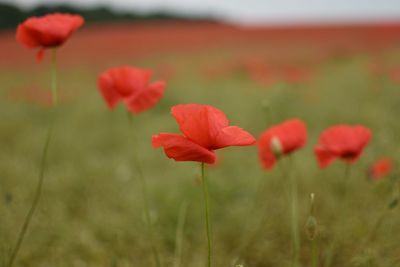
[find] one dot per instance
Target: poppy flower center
(276, 146)
(348, 154)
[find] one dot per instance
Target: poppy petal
(281, 139)
(48, 31)
(180, 148)
(25, 37)
(266, 156)
(233, 136)
(342, 141)
(324, 156)
(106, 87)
(129, 80)
(147, 98)
(200, 123)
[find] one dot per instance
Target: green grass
(91, 214)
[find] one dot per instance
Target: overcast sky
(255, 11)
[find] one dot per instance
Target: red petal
(265, 154)
(346, 142)
(200, 123)
(129, 80)
(26, 37)
(233, 136)
(106, 87)
(180, 148)
(324, 156)
(147, 98)
(48, 31)
(291, 134)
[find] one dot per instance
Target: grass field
(91, 210)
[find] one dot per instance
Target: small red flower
(130, 85)
(342, 141)
(380, 168)
(204, 129)
(281, 139)
(49, 31)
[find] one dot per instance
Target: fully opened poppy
(342, 141)
(280, 140)
(205, 129)
(380, 168)
(48, 31)
(130, 85)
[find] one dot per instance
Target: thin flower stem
(42, 169)
(314, 252)
(179, 234)
(295, 215)
(54, 77)
(343, 196)
(145, 194)
(207, 212)
(35, 202)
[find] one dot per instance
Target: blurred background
(261, 62)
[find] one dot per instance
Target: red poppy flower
(130, 85)
(343, 142)
(380, 168)
(204, 129)
(49, 31)
(280, 140)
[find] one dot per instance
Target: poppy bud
(311, 227)
(276, 147)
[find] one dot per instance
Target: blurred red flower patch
(380, 168)
(341, 141)
(48, 31)
(281, 139)
(205, 129)
(132, 86)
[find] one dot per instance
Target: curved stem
(145, 194)
(39, 186)
(207, 212)
(35, 201)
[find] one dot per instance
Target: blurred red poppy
(380, 168)
(130, 85)
(204, 129)
(281, 139)
(48, 31)
(342, 141)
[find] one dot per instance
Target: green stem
(143, 185)
(179, 234)
(35, 202)
(314, 252)
(295, 216)
(207, 212)
(42, 169)
(54, 77)
(343, 196)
